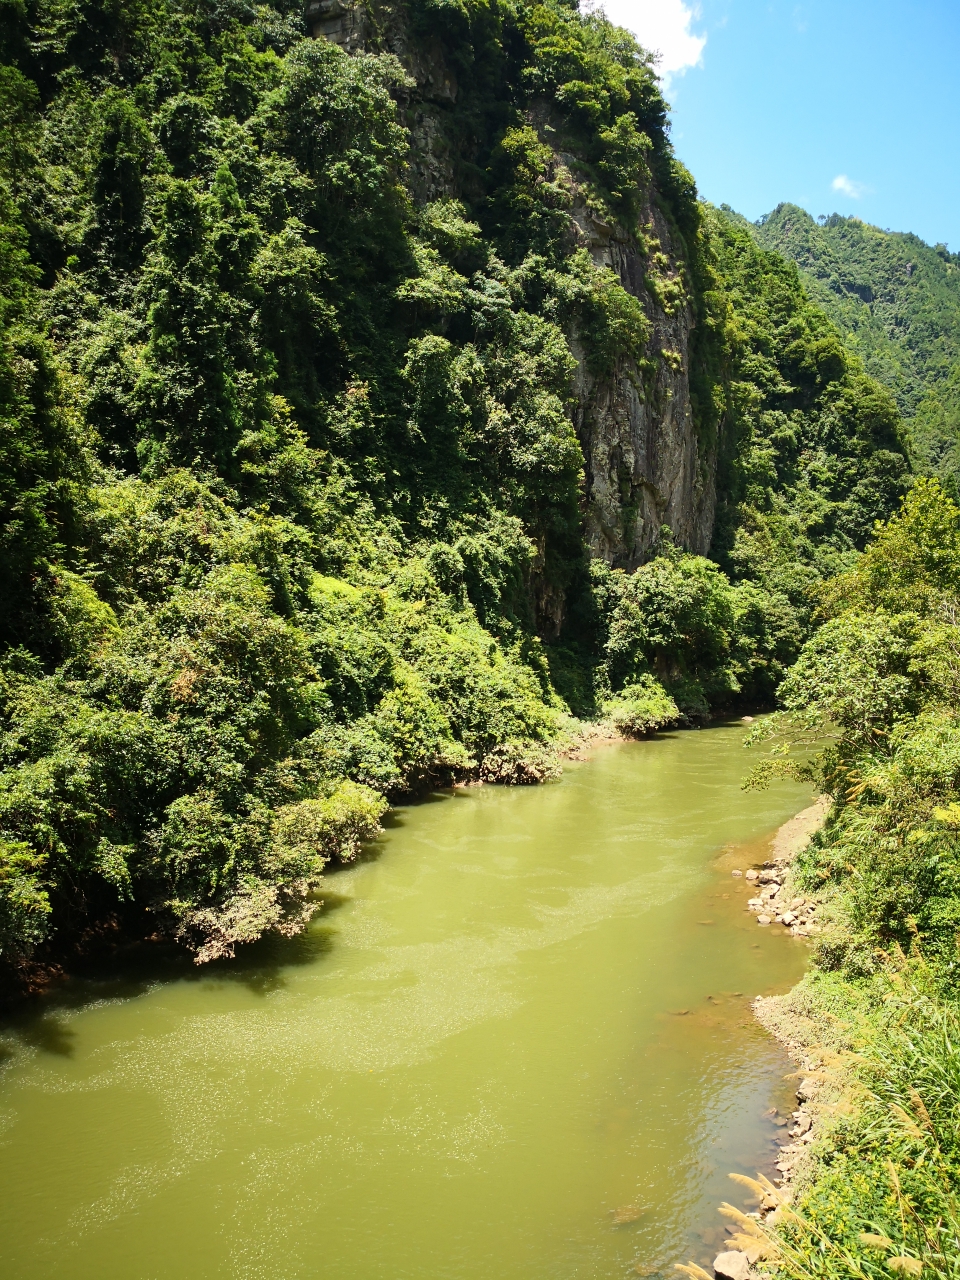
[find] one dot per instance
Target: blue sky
(847, 106)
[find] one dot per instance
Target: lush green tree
(812, 455)
(42, 468)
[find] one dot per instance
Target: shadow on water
(394, 819)
(131, 971)
(136, 968)
(46, 1032)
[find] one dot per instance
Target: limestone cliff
(645, 464)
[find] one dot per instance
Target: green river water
(525, 1010)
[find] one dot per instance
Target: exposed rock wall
(343, 23)
(645, 466)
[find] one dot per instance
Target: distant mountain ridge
(896, 301)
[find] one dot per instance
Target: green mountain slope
(896, 301)
(349, 394)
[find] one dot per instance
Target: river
(516, 1044)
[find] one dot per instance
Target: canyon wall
(645, 464)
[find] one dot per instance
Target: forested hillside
(363, 411)
(896, 301)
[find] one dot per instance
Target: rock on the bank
(732, 1265)
(806, 1089)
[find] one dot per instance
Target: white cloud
(663, 27)
(847, 187)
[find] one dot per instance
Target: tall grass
(881, 1198)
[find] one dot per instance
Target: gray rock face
(644, 464)
(339, 21)
(806, 1089)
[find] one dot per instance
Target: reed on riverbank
(876, 1023)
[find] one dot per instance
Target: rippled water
(516, 1044)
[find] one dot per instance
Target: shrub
(642, 708)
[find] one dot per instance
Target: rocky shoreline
(777, 902)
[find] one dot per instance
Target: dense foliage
(812, 454)
(896, 303)
(879, 683)
(288, 458)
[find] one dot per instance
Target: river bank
(786, 1016)
(795, 1023)
(125, 932)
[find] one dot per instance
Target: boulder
(806, 1089)
(763, 919)
(732, 1265)
(753, 875)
